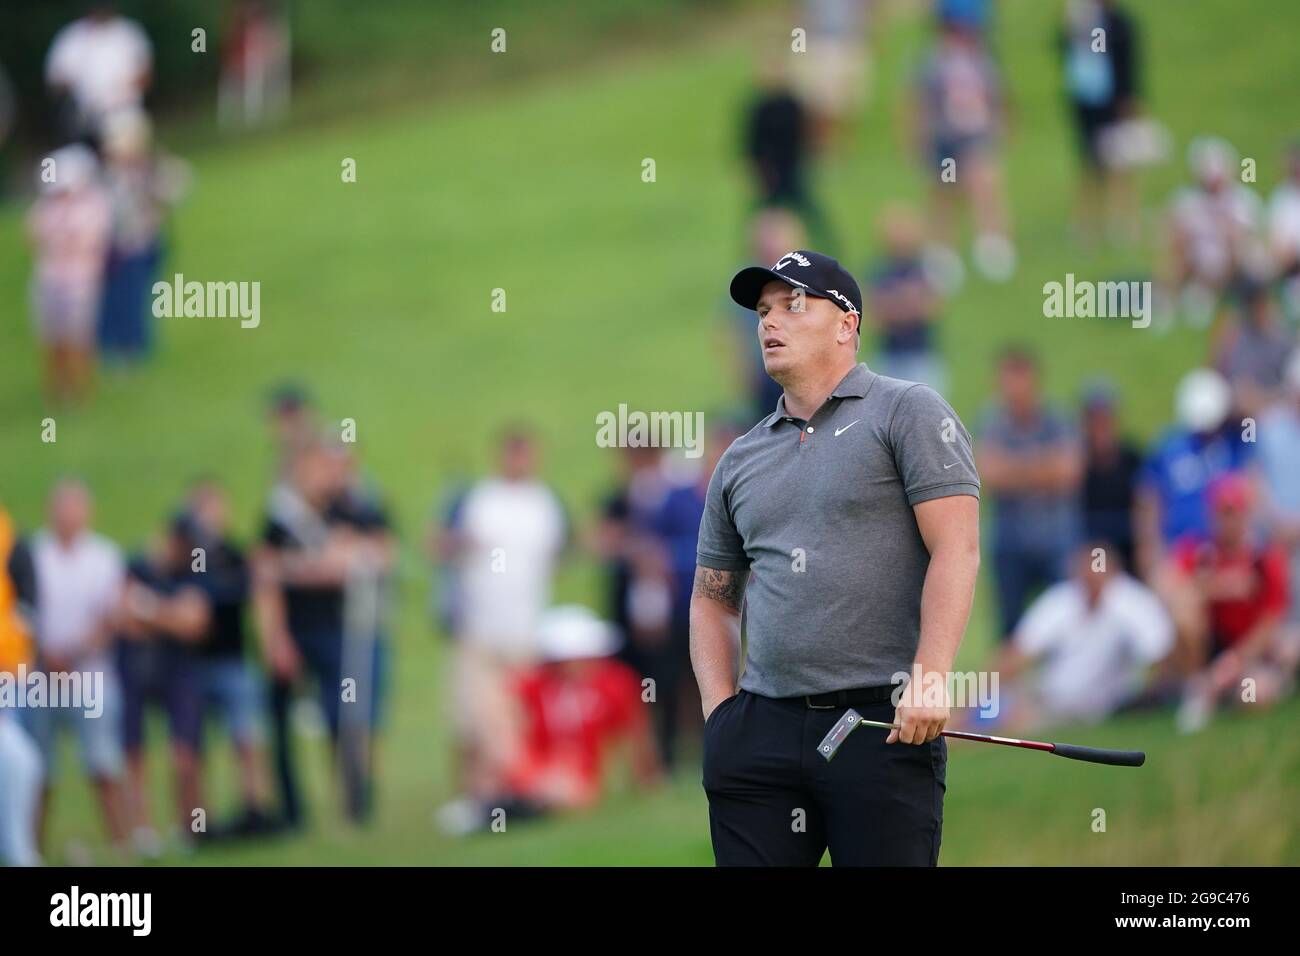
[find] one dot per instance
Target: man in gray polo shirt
(846, 526)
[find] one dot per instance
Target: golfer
(845, 525)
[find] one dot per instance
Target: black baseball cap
(813, 272)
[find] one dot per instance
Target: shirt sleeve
(1152, 632)
(59, 58)
(719, 545)
(932, 448)
(1040, 628)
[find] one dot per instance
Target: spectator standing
(1284, 233)
(141, 184)
(21, 769)
(904, 304)
(97, 64)
(254, 85)
(1029, 458)
(1214, 230)
(70, 227)
(79, 578)
(162, 617)
(1101, 64)
(833, 74)
(1254, 347)
(313, 542)
(226, 678)
(1110, 475)
(510, 536)
(958, 121)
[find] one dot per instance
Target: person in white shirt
(1215, 229)
(79, 580)
(101, 62)
(509, 533)
(1088, 641)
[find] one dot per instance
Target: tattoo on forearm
(725, 587)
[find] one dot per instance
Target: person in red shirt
(579, 708)
(1229, 605)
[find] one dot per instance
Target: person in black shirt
(1101, 78)
(1110, 476)
(777, 145)
(319, 595)
(162, 617)
(227, 680)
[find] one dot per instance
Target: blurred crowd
(1123, 575)
(97, 226)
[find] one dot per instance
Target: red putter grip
(1116, 758)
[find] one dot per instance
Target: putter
(1116, 758)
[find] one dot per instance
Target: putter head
(839, 733)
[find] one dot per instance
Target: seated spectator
(579, 705)
(1229, 602)
(1111, 467)
(1213, 230)
(1203, 445)
(1031, 464)
(1085, 645)
(1277, 463)
(163, 616)
(904, 304)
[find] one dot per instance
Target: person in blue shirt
(1203, 446)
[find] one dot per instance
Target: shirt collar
(853, 385)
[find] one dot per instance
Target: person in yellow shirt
(21, 772)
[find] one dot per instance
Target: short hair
(1016, 355)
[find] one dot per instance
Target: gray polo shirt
(821, 514)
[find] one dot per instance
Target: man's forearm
(715, 650)
(945, 605)
(715, 632)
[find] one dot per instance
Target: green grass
(378, 295)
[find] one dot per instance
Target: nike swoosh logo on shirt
(949, 465)
(841, 431)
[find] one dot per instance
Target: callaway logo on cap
(813, 272)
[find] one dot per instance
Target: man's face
(70, 511)
(1232, 524)
(1018, 383)
(518, 458)
(798, 331)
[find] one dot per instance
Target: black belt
(858, 697)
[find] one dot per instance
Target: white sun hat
(571, 632)
(1203, 400)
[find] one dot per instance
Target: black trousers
(774, 801)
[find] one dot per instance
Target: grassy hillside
(378, 293)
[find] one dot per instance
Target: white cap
(1203, 400)
(74, 166)
(572, 632)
